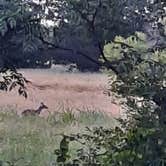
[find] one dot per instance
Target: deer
(34, 112)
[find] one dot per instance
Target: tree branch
(95, 13)
(92, 28)
(71, 50)
(109, 65)
(123, 44)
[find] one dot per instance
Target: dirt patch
(70, 90)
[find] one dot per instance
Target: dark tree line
(78, 30)
(38, 34)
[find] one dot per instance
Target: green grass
(31, 141)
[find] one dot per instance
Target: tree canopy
(55, 23)
(29, 26)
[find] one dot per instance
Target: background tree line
(34, 32)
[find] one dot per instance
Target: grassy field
(31, 141)
(74, 90)
(75, 100)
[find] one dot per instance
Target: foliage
(142, 69)
(137, 41)
(53, 23)
(10, 13)
(95, 19)
(112, 147)
(142, 85)
(140, 75)
(11, 79)
(92, 21)
(17, 23)
(17, 27)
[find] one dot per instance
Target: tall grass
(31, 141)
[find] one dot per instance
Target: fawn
(34, 112)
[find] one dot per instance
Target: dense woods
(126, 38)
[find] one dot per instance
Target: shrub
(140, 83)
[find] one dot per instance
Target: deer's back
(28, 112)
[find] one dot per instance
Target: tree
(17, 25)
(91, 22)
(88, 22)
(140, 86)
(95, 18)
(139, 80)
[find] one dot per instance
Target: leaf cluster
(11, 79)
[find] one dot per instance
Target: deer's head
(43, 106)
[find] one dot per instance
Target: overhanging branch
(71, 50)
(107, 64)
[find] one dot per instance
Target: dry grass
(75, 90)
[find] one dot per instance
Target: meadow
(75, 101)
(55, 89)
(31, 141)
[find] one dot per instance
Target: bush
(140, 85)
